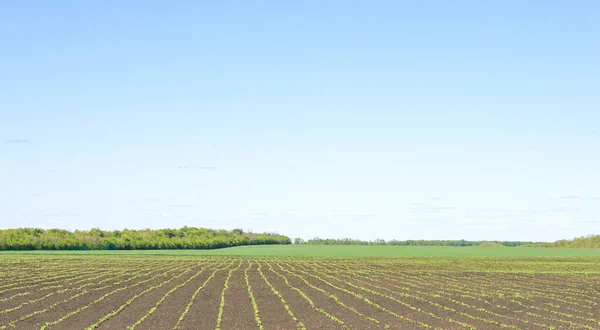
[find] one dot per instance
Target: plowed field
(159, 292)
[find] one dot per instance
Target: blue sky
(363, 119)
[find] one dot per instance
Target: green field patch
(341, 251)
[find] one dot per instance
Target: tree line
(128, 239)
(590, 241)
(203, 238)
(462, 242)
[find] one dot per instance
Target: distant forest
(202, 238)
(462, 242)
(146, 239)
(592, 241)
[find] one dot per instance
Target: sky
(365, 119)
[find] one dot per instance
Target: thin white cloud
(483, 217)
(578, 197)
(355, 215)
(424, 207)
(17, 141)
(527, 212)
(564, 210)
(420, 220)
(198, 167)
(171, 216)
(61, 214)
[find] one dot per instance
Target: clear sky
(363, 119)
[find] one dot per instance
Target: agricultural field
(301, 250)
(235, 292)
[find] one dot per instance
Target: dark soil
(271, 311)
(238, 312)
(560, 300)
